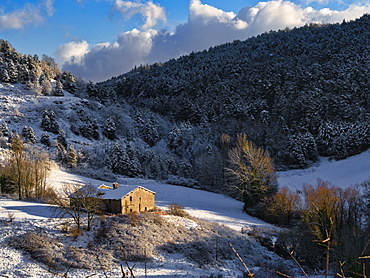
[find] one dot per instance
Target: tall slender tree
(251, 171)
(18, 161)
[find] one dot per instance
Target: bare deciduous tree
(252, 171)
(28, 167)
(78, 202)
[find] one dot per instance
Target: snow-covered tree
(72, 156)
(46, 86)
(61, 139)
(4, 75)
(90, 129)
(151, 134)
(45, 139)
(68, 81)
(110, 129)
(122, 159)
(58, 89)
(49, 122)
(251, 172)
(28, 135)
(4, 131)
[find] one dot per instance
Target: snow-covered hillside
(343, 173)
(200, 204)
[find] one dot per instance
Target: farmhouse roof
(107, 192)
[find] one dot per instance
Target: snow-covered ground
(343, 173)
(200, 204)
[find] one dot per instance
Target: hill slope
(300, 93)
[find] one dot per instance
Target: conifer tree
(72, 156)
(45, 139)
(4, 131)
(49, 122)
(29, 135)
(110, 129)
(58, 89)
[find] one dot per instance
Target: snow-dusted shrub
(89, 259)
(55, 255)
(40, 247)
(137, 242)
(202, 242)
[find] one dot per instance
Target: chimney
(115, 185)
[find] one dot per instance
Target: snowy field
(342, 173)
(200, 204)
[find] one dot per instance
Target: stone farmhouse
(124, 199)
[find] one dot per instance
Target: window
(130, 198)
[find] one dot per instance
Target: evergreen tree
(72, 156)
(4, 75)
(151, 134)
(68, 81)
(132, 164)
(123, 160)
(4, 131)
(58, 89)
(49, 122)
(115, 157)
(61, 139)
(90, 129)
(45, 139)
(12, 72)
(110, 129)
(92, 90)
(29, 135)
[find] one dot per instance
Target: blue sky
(98, 39)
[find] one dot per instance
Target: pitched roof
(107, 192)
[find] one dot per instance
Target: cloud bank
(30, 14)
(151, 12)
(206, 26)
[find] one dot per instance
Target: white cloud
(151, 12)
(49, 7)
(28, 15)
(109, 59)
(207, 26)
(72, 52)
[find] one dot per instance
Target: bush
(177, 210)
(55, 255)
(283, 208)
(40, 247)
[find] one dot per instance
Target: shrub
(177, 210)
(40, 247)
(283, 207)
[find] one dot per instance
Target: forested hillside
(297, 93)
